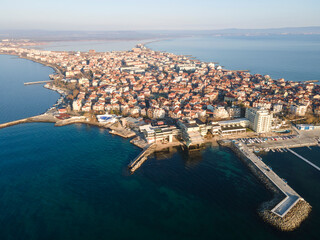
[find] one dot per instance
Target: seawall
(293, 216)
(141, 158)
(39, 118)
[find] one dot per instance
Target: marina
(290, 198)
(255, 230)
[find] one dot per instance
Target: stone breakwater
(291, 220)
(39, 118)
(296, 215)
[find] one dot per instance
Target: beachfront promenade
(291, 197)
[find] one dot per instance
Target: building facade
(298, 110)
(260, 119)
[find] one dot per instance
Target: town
(166, 100)
(200, 98)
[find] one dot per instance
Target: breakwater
(39, 118)
(38, 82)
(149, 149)
(287, 210)
(141, 158)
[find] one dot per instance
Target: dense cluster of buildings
(158, 85)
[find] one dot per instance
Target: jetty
(142, 157)
(291, 197)
(38, 82)
(311, 81)
(288, 209)
(38, 118)
(307, 161)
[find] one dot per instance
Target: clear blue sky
(157, 15)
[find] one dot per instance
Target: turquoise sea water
(72, 183)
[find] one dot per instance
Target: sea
(72, 182)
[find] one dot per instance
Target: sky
(103, 15)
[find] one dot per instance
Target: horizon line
(137, 30)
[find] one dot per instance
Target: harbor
(156, 131)
(307, 161)
(287, 210)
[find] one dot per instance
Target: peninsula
(165, 100)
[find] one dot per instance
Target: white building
(298, 110)
(234, 112)
(83, 81)
(154, 134)
(159, 113)
(86, 107)
(218, 111)
(76, 105)
(186, 67)
(277, 108)
(235, 126)
(260, 119)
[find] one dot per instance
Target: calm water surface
(85, 46)
(17, 100)
(294, 58)
(71, 182)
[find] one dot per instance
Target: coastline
(115, 131)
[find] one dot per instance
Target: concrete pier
(39, 118)
(307, 161)
(287, 210)
(141, 158)
(38, 82)
(291, 197)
